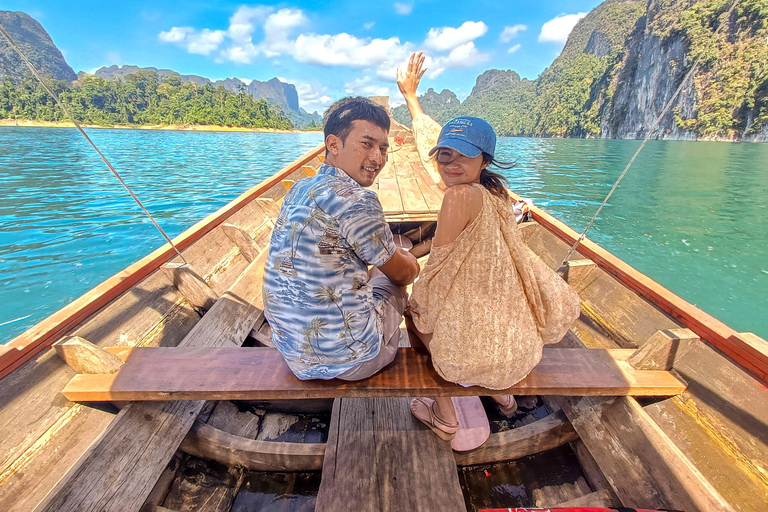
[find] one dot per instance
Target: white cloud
(403, 9)
(368, 26)
(464, 56)
(366, 86)
(509, 33)
(313, 97)
(278, 27)
(557, 29)
(202, 42)
(266, 33)
(447, 38)
(514, 49)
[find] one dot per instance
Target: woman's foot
(424, 410)
(507, 405)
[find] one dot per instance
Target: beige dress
(490, 303)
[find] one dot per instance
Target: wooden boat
(703, 449)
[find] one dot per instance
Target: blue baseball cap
(470, 136)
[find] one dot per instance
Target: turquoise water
(691, 215)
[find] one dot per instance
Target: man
(328, 318)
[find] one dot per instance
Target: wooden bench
(235, 373)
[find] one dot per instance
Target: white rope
(563, 265)
(77, 125)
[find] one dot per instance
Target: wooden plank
(389, 195)
(541, 435)
(49, 330)
(703, 324)
(413, 199)
(120, 469)
(380, 458)
(42, 436)
(259, 373)
(212, 443)
(719, 422)
(645, 469)
(160, 490)
(432, 195)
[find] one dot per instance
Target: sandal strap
(435, 419)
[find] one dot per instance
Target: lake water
(692, 215)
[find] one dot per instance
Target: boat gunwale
(47, 331)
(709, 328)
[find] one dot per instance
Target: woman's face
(457, 169)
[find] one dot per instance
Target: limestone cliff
(36, 45)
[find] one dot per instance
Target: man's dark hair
(338, 119)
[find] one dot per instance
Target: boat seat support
(191, 286)
(245, 242)
(85, 357)
(661, 349)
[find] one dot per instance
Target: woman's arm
(408, 82)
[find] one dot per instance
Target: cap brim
(463, 147)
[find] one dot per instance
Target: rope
(77, 125)
(688, 75)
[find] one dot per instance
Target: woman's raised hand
(408, 81)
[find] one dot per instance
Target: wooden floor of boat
(406, 190)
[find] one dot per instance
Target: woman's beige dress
(490, 303)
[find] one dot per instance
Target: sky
(328, 50)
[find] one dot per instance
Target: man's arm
(402, 268)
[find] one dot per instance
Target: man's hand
(402, 268)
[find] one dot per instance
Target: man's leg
(392, 300)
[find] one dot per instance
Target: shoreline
(172, 127)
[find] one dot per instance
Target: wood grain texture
(211, 443)
(541, 435)
(121, 468)
(645, 469)
(259, 373)
(379, 458)
(84, 357)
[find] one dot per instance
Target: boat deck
(406, 190)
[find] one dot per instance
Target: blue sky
(327, 49)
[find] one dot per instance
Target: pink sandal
(445, 431)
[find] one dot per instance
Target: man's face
(364, 153)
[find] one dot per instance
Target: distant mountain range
(36, 44)
(274, 91)
(622, 64)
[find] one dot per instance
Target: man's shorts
(392, 300)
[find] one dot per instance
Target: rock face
(623, 63)
(37, 46)
(644, 87)
(273, 91)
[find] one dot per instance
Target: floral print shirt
(316, 296)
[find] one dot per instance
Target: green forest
(142, 98)
(580, 94)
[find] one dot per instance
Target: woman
(484, 305)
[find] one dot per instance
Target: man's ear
(333, 144)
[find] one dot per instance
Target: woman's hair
(493, 181)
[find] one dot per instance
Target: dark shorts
(392, 300)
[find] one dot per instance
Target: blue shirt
(316, 296)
